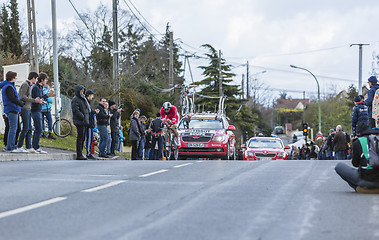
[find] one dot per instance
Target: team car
(260, 148)
(206, 136)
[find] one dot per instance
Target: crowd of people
(32, 104)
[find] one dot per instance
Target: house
(290, 103)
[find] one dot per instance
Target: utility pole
(55, 63)
(171, 64)
(220, 93)
(247, 81)
(33, 52)
(116, 81)
(360, 65)
(243, 86)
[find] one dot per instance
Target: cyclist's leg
(176, 135)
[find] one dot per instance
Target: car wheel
(227, 156)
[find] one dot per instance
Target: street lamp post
(318, 92)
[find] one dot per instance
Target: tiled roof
(292, 103)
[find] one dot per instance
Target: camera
(120, 107)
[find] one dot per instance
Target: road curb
(4, 157)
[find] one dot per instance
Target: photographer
(115, 113)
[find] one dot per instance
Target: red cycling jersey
(172, 115)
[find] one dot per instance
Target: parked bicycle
(61, 127)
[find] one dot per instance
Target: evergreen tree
(4, 30)
(211, 81)
(15, 43)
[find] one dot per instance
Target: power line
(85, 24)
(292, 53)
(130, 9)
(144, 18)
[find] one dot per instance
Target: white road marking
(200, 161)
(153, 173)
(31, 207)
(182, 165)
(111, 184)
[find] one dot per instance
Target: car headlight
(219, 138)
(282, 154)
(250, 154)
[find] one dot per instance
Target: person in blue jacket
(46, 113)
(373, 83)
(360, 114)
(12, 107)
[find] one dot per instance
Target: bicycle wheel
(167, 145)
(183, 105)
(65, 127)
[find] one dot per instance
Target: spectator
(46, 112)
(142, 142)
(156, 127)
(89, 130)
(81, 111)
(135, 134)
(122, 139)
(329, 145)
(109, 139)
(26, 114)
(37, 108)
(12, 108)
(360, 114)
(5, 117)
(360, 177)
(148, 139)
(339, 143)
(313, 155)
(102, 119)
(114, 125)
(372, 82)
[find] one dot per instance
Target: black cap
(89, 92)
(357, 99)
(111, 103)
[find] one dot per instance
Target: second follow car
(260, 148)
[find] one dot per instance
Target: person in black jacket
(135, 132)
(81, 114)
(102, 120)
(114, 124)
(89, 130)
(359, 177)
(155, 128)
(36, 109)
(360, 114)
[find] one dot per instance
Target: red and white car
(206, 136)
(260, 148)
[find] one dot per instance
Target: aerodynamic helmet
(166, 106)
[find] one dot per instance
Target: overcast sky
(269, 34)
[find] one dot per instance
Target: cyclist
(169, 115)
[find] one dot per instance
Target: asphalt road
(182, 200)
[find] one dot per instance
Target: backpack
(370, 149)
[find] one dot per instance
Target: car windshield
(201, 123)
(265, 143)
